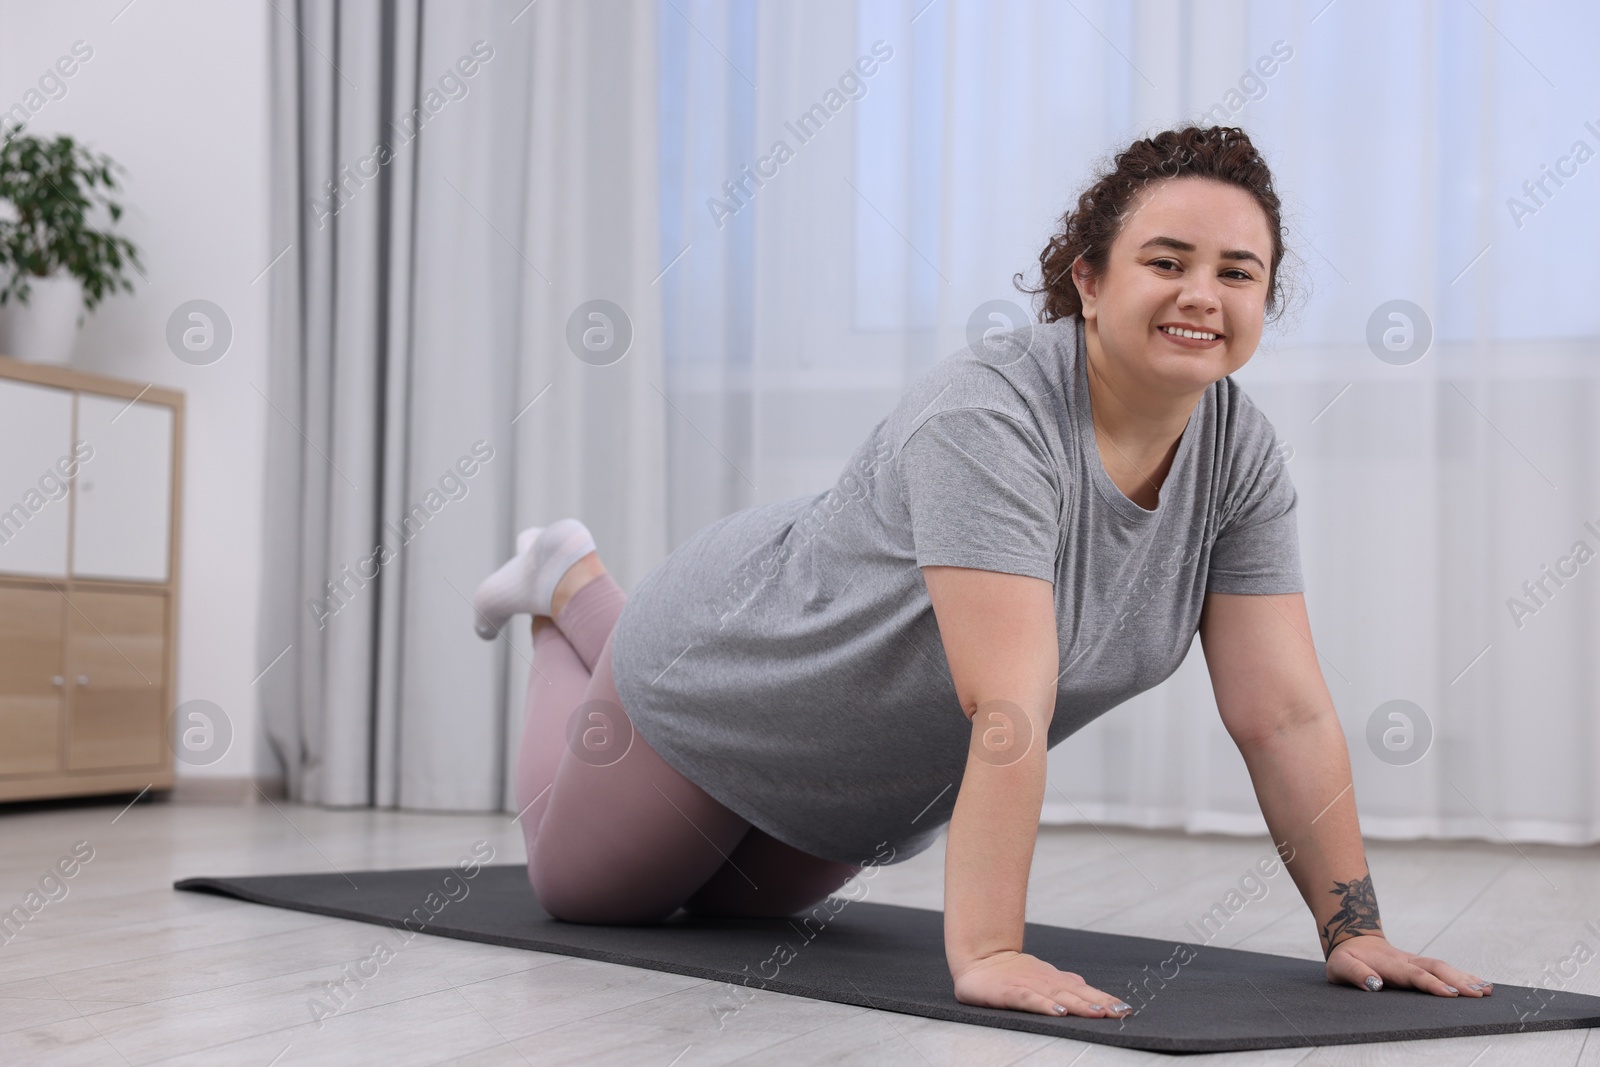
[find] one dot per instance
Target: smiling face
(1192, 254)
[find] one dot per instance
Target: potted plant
(53, 262)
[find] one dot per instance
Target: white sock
(505, 592)
(553, 553)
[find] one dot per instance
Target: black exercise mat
(892, 958)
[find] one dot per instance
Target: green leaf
(55, 185)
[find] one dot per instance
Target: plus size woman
(1033, 535)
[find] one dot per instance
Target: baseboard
(229, 791)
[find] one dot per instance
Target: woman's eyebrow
(1185, 246)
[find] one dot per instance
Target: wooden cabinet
(31, 681)
(116, 675)
(90, 476)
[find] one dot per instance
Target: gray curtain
(450, 183)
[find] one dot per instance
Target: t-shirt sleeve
(982, 493)
(1257, 548)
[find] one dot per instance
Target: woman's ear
(1088, 287)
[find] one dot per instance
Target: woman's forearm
(1303, 783)
(999, 635)
(988, 853)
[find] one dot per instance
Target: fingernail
(1374, 983)
(1120, 1006)
(1098, 1007)
(1060, 1009)
(1452, 989)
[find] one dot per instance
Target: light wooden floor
(125, 970)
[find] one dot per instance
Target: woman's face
(1192, 254)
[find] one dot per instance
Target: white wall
(177, 92)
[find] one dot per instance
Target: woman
(1032, 536)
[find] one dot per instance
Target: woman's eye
(1165, 264)
(1241, 275)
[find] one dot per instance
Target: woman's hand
(1027, 983)
(1371, 962)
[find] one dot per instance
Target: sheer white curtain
(1431, 489)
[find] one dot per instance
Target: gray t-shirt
(787, 660)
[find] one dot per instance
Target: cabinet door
(35, 459)
(116, 678)
(123, 513)
(30, 680)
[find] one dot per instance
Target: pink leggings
(615, 834)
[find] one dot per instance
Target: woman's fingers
(1021, 999)
(1419, 977)
(1462, 982)
(1080, 999)
(1378, 964)
(1076, 987)
(1025, 983)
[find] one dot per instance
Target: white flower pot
(45, 329)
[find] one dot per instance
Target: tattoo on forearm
(1357, 914)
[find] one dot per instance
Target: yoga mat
(1202, 999)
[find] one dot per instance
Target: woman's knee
(575, 899)
(624, 837)
(626, 848)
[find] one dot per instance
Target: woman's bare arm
(1276, 707)
(999, 635)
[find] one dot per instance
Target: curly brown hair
(1221, 153)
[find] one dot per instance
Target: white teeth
(1196, 334)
